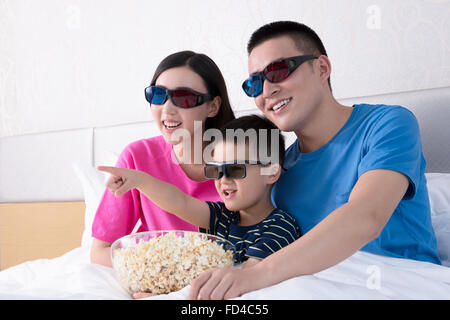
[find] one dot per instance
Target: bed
(47, 204)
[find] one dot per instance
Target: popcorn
(168, 262)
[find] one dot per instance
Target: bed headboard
(432, 110)
(38, 168)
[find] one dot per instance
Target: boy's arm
(167, 196)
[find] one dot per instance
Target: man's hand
(224, 283)
(142, 295)
(122, 180)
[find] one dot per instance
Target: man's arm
(344, 231)
(167, 196)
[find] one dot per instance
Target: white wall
(67, 64)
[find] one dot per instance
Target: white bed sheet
(361, 276)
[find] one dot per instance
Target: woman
(187, 94)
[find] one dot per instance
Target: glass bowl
(160, 262)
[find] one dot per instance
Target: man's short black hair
(305, 39)
(257, 123)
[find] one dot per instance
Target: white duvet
(361, 276)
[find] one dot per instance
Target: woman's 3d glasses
(275, 72)
(183, 98)
(232, 169)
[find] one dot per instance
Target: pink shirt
(116, 217)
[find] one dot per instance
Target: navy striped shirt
(257, 241)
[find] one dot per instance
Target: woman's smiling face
(169, 117)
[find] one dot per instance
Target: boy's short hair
(305, 39)
(257, 123)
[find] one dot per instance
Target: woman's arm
(101, 252)
(344, 231)
(167, 196)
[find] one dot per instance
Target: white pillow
(93, 183)
(438, 185)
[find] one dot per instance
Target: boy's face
(239, 194)
(299, 93)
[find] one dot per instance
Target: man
(355, 176)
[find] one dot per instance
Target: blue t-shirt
(374, 137)
(276, 231)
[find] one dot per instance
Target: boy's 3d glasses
(275, 72)
(183, 98)
(231, 169)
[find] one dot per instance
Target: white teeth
(280, 104)
(171, 125)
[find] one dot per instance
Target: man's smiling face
(289, 104)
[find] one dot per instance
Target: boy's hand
(122, 180)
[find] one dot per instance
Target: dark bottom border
(240, 309)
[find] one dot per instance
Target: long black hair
(207, 69)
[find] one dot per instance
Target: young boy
(246, 217)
